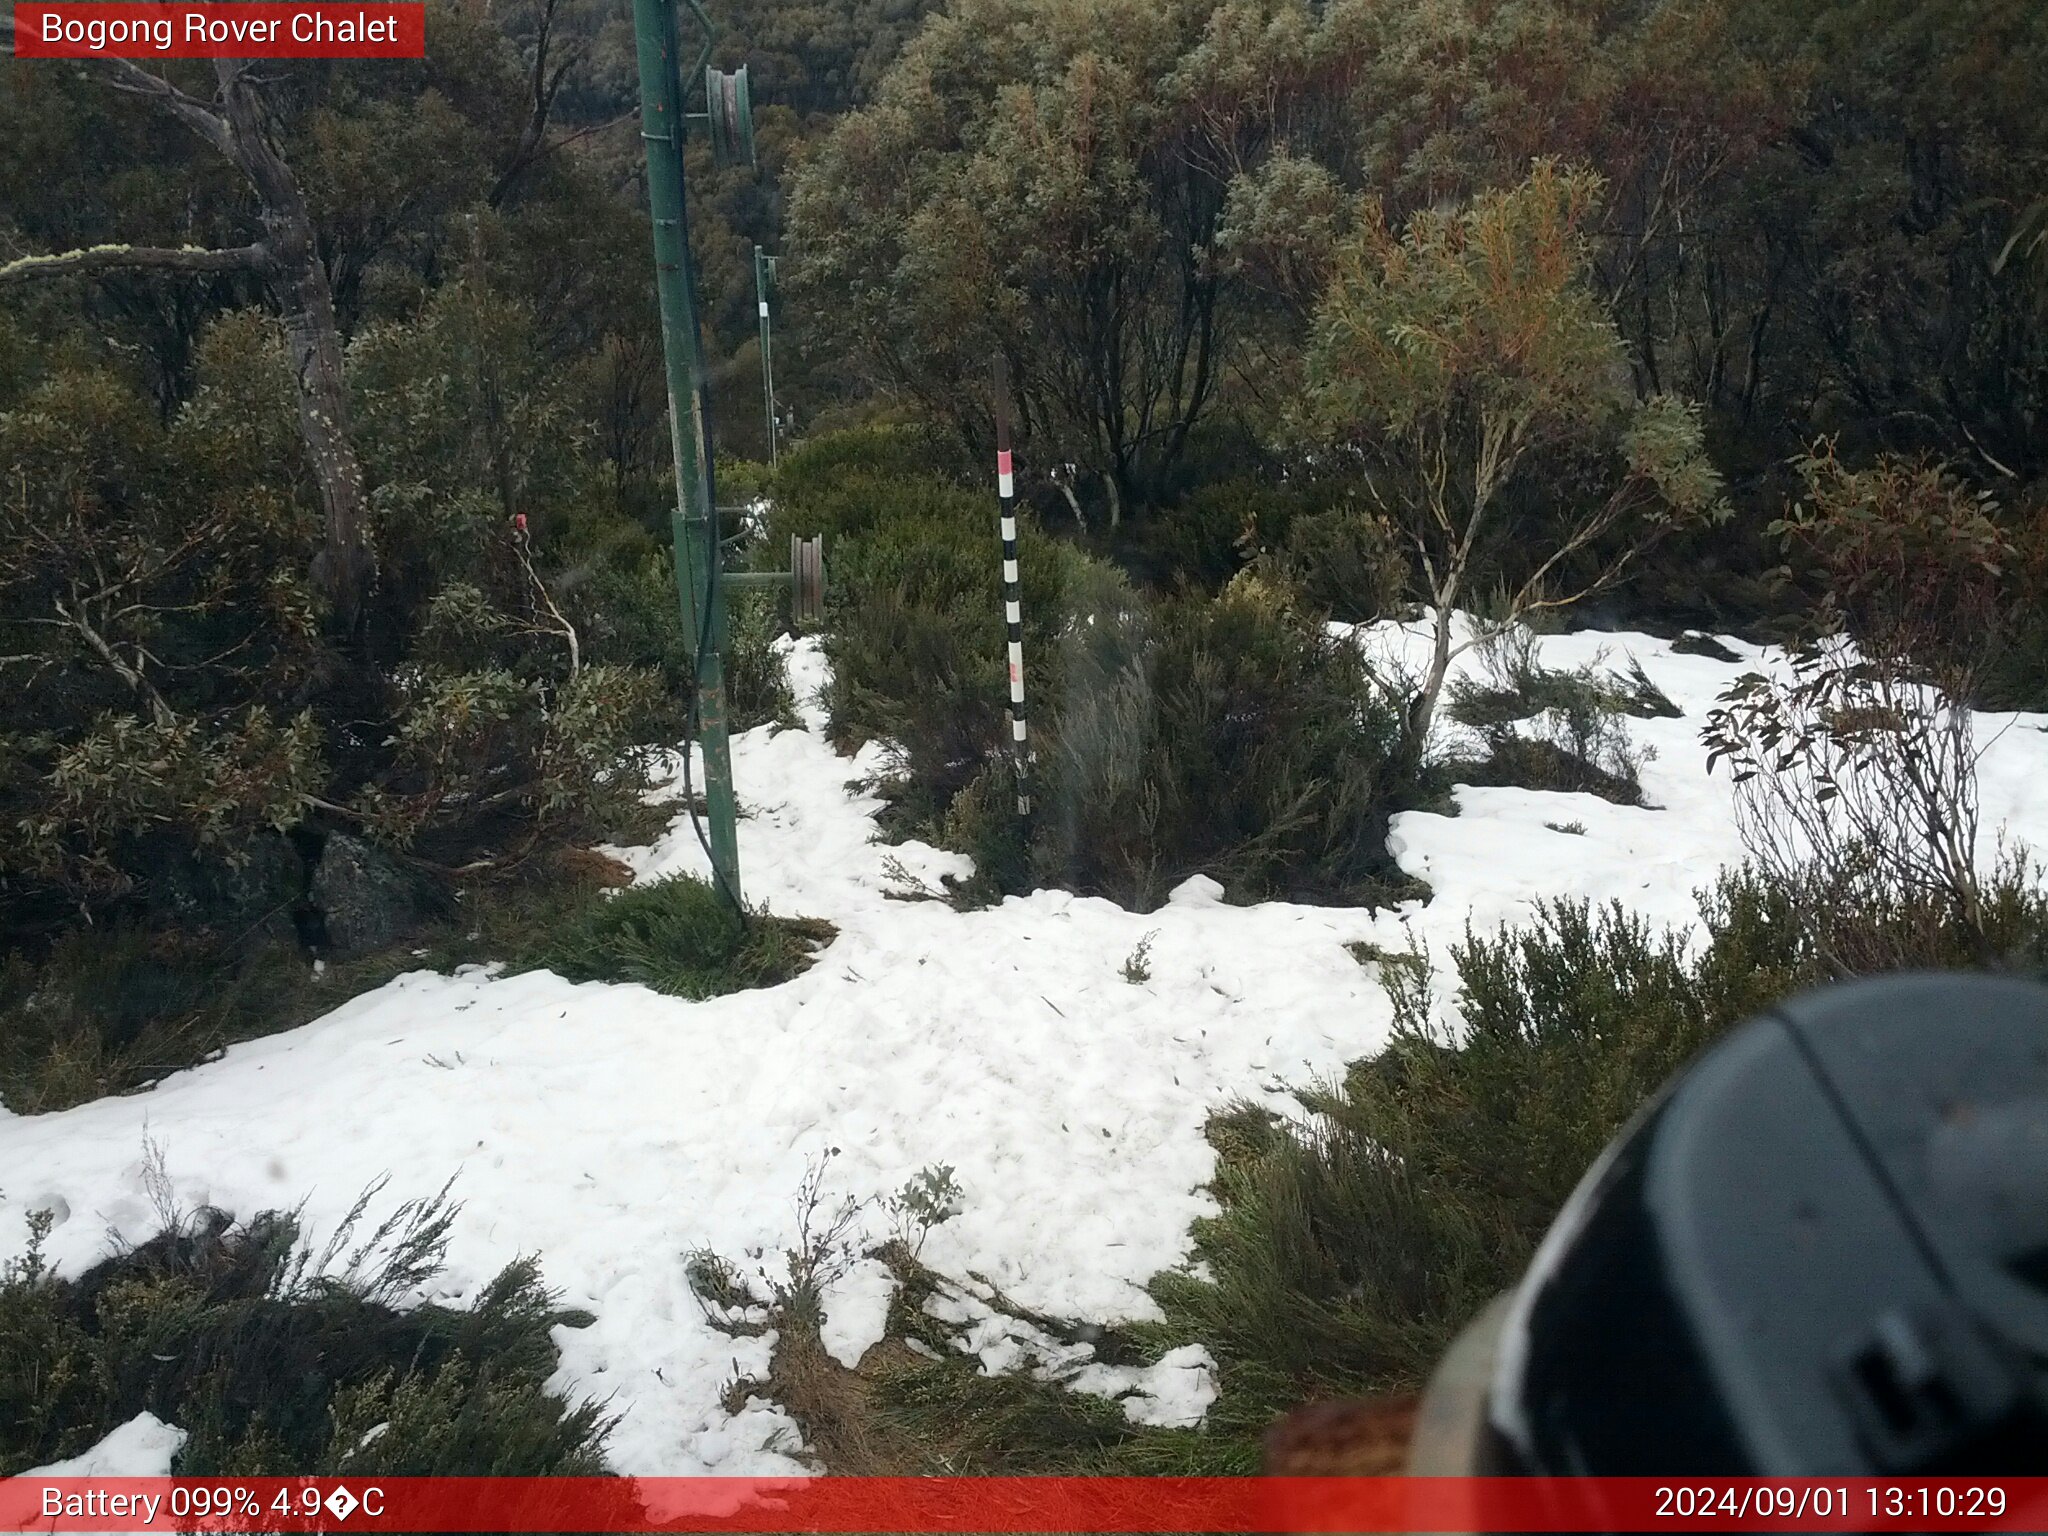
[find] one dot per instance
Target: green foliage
(930, 1198)
(1007, 1425)
(462, 397)
(1230, 738)
(176, 693)
(146, 584)
(1517, 686)
(277, 1361)
(1042, 182)
(50, 1388)
(1348, 562)
(1349, 1251)
(1468, 341)
(1912, 561)
(1482, 310)
(756, 681)
(828, 483)
(1456, 354)
(1316, 536)
(914, 606)
(678, 935)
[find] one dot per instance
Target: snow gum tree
(1050, 181)
(1453, 356)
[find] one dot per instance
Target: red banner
(320, 29)
(1007, 1504)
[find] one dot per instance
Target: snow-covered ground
(614, 1130)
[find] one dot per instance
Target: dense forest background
(334, 484)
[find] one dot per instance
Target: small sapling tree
(1448, 357)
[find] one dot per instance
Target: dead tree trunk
(298, 284)
(288, 258)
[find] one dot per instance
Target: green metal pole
(694, 520)
(764, 279)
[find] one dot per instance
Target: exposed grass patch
(113, 1009)
(279, 1360)
(917, 1405)
(1540, 728)
(1409, 961)
(1588, 763)
(680, 936)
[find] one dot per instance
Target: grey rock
(367, 898)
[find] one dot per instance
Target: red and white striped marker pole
(1013, 611)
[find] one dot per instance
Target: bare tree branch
(545, 85)
(129, 258)
(131, 79)
(159, 708)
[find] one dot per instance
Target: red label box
(319, 29)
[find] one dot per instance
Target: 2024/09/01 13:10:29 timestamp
(1937, 1500)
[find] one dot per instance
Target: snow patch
(143, 1447)
(857, 1312)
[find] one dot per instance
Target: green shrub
(1347, 562)
(1205, 540)
(1349, 1252)
(1317, 536)
(915, 628)
(276, 1362)
(756, 682)
(1591, 756)
(1515, 685)
(815, 475)
(1231, 738)
(201, 701)
(679, 936)
(113, 1008)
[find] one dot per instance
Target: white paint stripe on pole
(1006, 485)
(1009, 570)
(1009, 528)
(1017, 730)
(1012, 612)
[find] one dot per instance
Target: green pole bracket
(804, 580)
